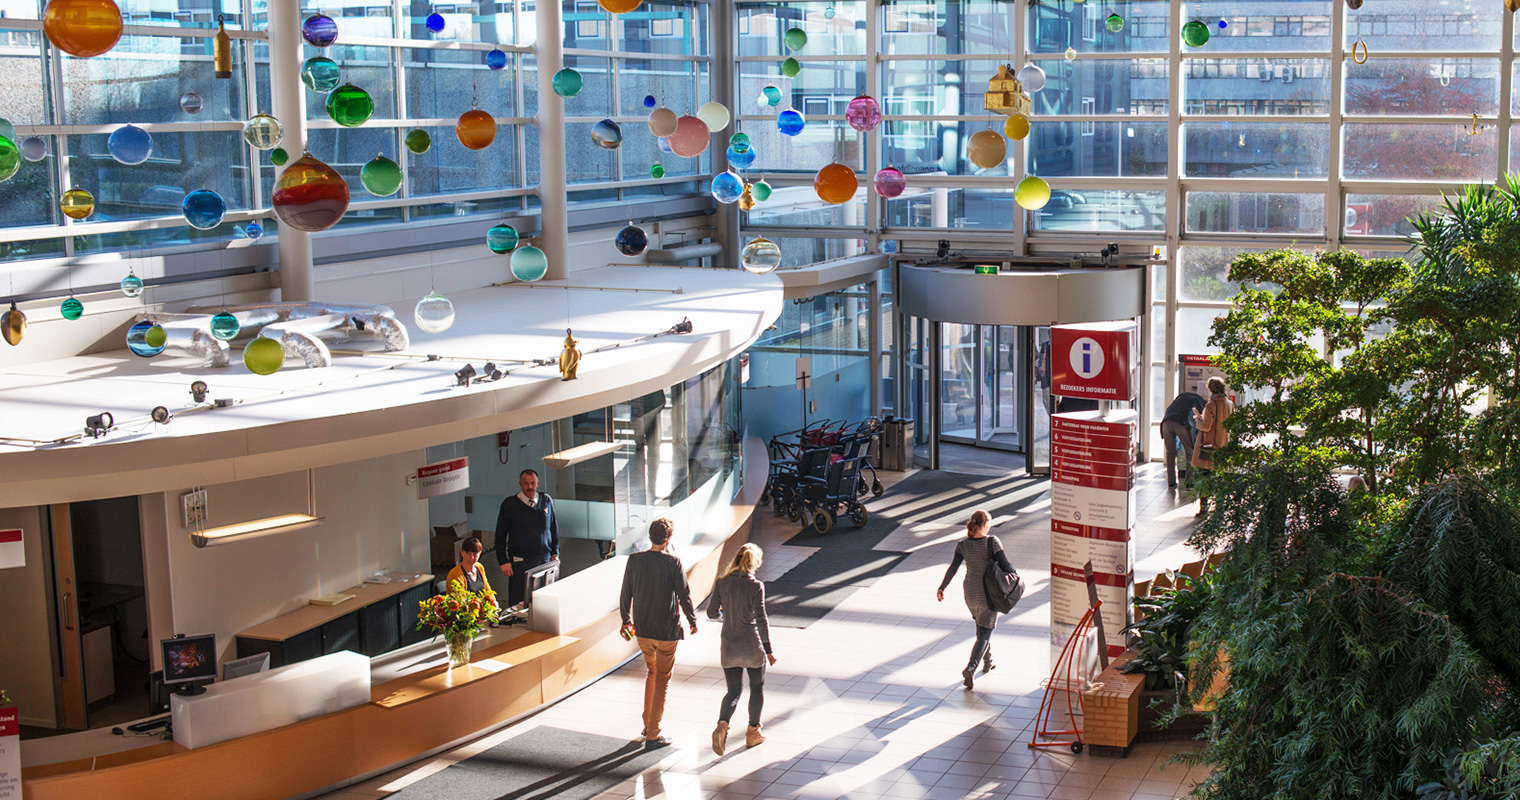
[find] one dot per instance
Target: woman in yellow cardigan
(468, 571)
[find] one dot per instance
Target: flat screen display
(192, 658)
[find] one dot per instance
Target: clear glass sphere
(132, 286)
(760, 256)
(434, 313)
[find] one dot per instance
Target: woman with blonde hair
(1212, 434)
(979, 549)
(738, 598)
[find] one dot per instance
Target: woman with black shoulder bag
(980, 550)
(1212, 434)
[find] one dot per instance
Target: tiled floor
(867, 703)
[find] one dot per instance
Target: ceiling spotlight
(97, 426)
(684, 326)
(198, 391)
(161, 415)
(463, 376)
(490, 372)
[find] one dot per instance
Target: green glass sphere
(1114, 23)
(761, 191)
(263, 356)
(10, 158)
(739, 142)
(772, 95)
(72, 309)
(791, 67)
(795, 38)
(657, 171)
(1195, 34)
(567, 82)
(320, 74)
(278, 156)
(381, 176)
(350, 106)
(225, 326)
(529, 263)
(502, 238)
(418, 141)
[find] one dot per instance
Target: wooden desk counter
(423, 685)
(308, 617)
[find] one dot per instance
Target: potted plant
(1159, 639)
(459, 615)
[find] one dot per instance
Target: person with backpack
(982, 552)
(738, 598)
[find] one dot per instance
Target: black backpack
(1004, 589)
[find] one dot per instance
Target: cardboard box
(444, 549)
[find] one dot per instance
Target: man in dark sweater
(1177, 425)
(527, 535)
(654, 582)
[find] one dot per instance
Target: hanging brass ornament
(1005, 93)
(1512, 5)
(221, 50)
(13, 325)
(1362, 59)
(1475, 128)
(747, 198)
(569, 358)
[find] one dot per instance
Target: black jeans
(982, 646)
(735, 678)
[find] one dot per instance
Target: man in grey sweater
(654, 582)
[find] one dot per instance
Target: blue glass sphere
(529, 263)
(740, 159)
(204, 209)
(790, 122)
(225, 326)
(319, 30)
(139, 337)
(254, 230)
(649, 101)
(502, 238)
(1223, 24)
(631, 241)
(130, 145)
(435, 22)
(727, 187)
(664, 144)
(496, 59)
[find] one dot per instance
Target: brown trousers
(659, 660)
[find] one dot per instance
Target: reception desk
(267, 700)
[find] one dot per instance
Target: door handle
(68, 611)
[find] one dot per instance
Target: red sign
(12, 548)
(443, 477)
(1094, 360)
(10, 722)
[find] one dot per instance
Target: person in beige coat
(1212, 433)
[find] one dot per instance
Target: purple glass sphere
(319, 30)
(889, 182)
(863, 113)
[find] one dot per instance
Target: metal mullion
(801, 58)
(1334, 216)
(1283, 186)
(403, 110)
(151, 127)
(424, 44)
(54, 64)
(1506, 85)
(520, 131)
(251, 93)
(1263, 118)
(162, 31)
(875, 208)
(1278, 240)
(1174, 221)
(615, 75)
(625, 55)
(1001, 57)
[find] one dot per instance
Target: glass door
(960, 381)
(1000, 417)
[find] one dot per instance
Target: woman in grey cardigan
(739, 599)
(979, 549)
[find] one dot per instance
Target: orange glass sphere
(310, 195)
(476, 129)
(835, 184)
(82, 28)
(619, 6)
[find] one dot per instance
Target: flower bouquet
(460, 615)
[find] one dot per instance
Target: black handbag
(1004, 588)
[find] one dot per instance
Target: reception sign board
(10, 753)
(12, 548)
(443, 477)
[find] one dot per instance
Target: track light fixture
(98, 425)
(464, 375)
(490, 372)
(684, 326)
(198, 391)
(161, 415)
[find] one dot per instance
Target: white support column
(873, 344)
(296, 273)
(554, 217)
(873, 144)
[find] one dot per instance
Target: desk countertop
(307, 617)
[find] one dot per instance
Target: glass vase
(459, 650)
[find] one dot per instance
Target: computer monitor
(188, 661)
(245, 666)
(539, 577)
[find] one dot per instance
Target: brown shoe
(752, 736)
(720, 738)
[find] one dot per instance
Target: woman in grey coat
(978, 550)
(738, 598)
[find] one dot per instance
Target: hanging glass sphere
(889, 182)
(10, 158)
(663, 143)
(225, 326)
(790, 122)
(381, 176)
(130, 145)
(771, 95)
(607, 134)
(727, 186)
(663, 121)
(7, 129)
(253, 230)
(835, 184)
(761, 190)
(656, 170)
(262, 131)
(986, 149)
(1070, 54)
(82, 28)
(190, 103)
(760, 256)
(529, 263)
(141, 338)
(435, 22)
(434, 313)
(739, 142)
(33, 148)
(263, 356)
(649, 101)
(1195, 34)
(691, 137)
(350, 106)
(418, 141)
(319, 30)
(71, 309)
(791, 67)
(828, 13)
(863, 113)
(1016, 126)
(631, 241)
(740, 160)
(76, 204)
(203, 209)
(13, 325)
(278, 156)
(502, 238)
(1032, 193)
(476, 129)
(310, 195)
(496, 59)
(567, 82)
(795, 38)
(1223, 24)
(1032, 77)
(618, 6)
(131, 286)
(715, 115)
(320, 74)
(1114, 23)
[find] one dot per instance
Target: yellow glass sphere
(263, 356)
(986, 149)
(1017, 126)
(835, 184)
(1032, 193)
(76, 204)
(82, 28)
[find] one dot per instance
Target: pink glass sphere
(863, 113)
(889, 182)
